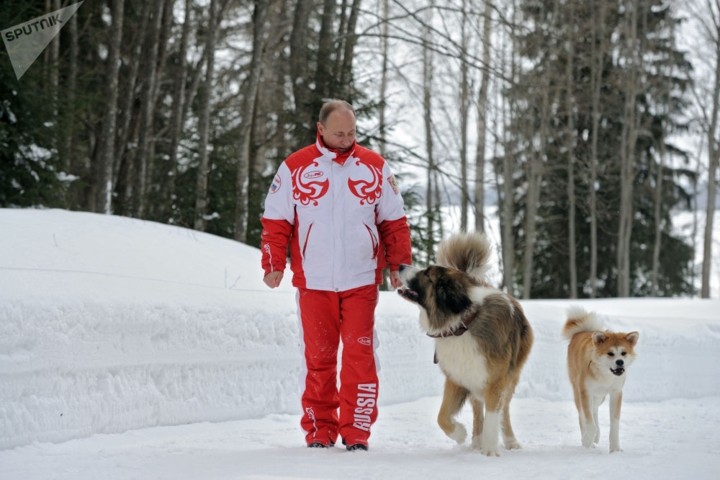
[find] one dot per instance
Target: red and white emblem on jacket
(367, 190)
(305, 189)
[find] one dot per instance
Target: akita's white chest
(461, 359)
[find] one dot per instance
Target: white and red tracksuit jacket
(341, 215)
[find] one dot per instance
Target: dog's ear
(451, 295)
(599, 338)
(632, 338)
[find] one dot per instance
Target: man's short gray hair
(330, 106)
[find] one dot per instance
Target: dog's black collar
(458, 330)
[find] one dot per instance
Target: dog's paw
(476, 443)
(615, 448)
(589, 435)
(511, 443)
(487, 446)
(490, 452)
(459, 434)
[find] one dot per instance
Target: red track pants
(326, 318)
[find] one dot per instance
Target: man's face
(339, 130)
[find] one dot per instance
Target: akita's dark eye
(611, 354)
(623, 353)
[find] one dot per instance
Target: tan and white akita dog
(597, 364)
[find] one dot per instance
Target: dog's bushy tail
(578, 320)
(469, 252)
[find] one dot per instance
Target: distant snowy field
(131, 349)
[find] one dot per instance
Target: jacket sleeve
(395, 237)
(277, 222)
(275, 240)
(392, 224)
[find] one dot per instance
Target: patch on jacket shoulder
(393, 184)
(276, 184)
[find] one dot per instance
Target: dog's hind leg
(478, 417)
(453, 399)
(491, 427)
(509, 439)
(588, 425)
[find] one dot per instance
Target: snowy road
(674, 439)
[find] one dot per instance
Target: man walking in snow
(337, 207)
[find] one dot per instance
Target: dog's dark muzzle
(619, 368)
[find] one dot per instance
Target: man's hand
(273, 279)
(395, 281)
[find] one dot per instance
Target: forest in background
(586, 125)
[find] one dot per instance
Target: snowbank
(109, 324)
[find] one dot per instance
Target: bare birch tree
(177, 117)
(248, 117)
(299, 60)
(708, 101)
(146, 133)
(464, 114)
(482, 117)
(507, 208)
(430, 190)
(570, 148)
(102, 187)
(632, 56)
(201, 193)
(384, 51)
(599, 50)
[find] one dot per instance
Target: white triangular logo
(26, 41)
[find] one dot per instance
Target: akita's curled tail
(468, 252)
(578, 320)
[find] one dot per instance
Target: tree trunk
(201, 186)
(155, 208)
(482, 124)
(507, 210)
(430, 190)
(534, 184)
(248, 118)
(570, 147)
(709, 220)
(54, 67)
(176, 117)
(657, 214)
(324, 71)
(385, 43)
(145, 141)
(713, 152)
(627, 153)
(66, 149)
(299, 73)
(104, 177)
(124, 170)
(350, 41)
(599, 48)
(464, 109)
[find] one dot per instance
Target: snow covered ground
(130, 349)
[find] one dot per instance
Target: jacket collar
(333, 153)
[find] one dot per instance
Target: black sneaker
(356, 447)
(317, 445)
